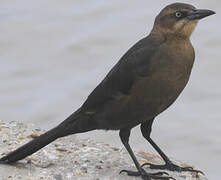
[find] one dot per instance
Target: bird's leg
(124, 135)
(146, 130)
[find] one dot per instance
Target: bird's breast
(170, 73)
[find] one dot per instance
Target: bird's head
(179, 19)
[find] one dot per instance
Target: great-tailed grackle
(144, 83)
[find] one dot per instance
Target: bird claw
(171, 167)
(148, 176)
(130, 173)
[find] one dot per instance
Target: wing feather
(134, 64)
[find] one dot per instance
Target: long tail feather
(32, 146)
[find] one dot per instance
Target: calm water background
(53, 53)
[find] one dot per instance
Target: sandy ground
(71, 158)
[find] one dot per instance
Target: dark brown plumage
(144, 83)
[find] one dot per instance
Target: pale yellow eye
(178, 14)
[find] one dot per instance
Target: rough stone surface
(70, 158)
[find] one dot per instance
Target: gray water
(53, 53)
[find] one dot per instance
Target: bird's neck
(169, 36)
(172, 38)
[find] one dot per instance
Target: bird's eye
(178, 14)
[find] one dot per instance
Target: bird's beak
(199, 14)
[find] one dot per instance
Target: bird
(146, 80)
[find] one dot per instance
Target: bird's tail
(70, 126)
(31, 146)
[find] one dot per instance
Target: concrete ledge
(70, 158)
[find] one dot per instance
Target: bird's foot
(147, 176)
(172, 167)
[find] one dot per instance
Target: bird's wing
(134, 64)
